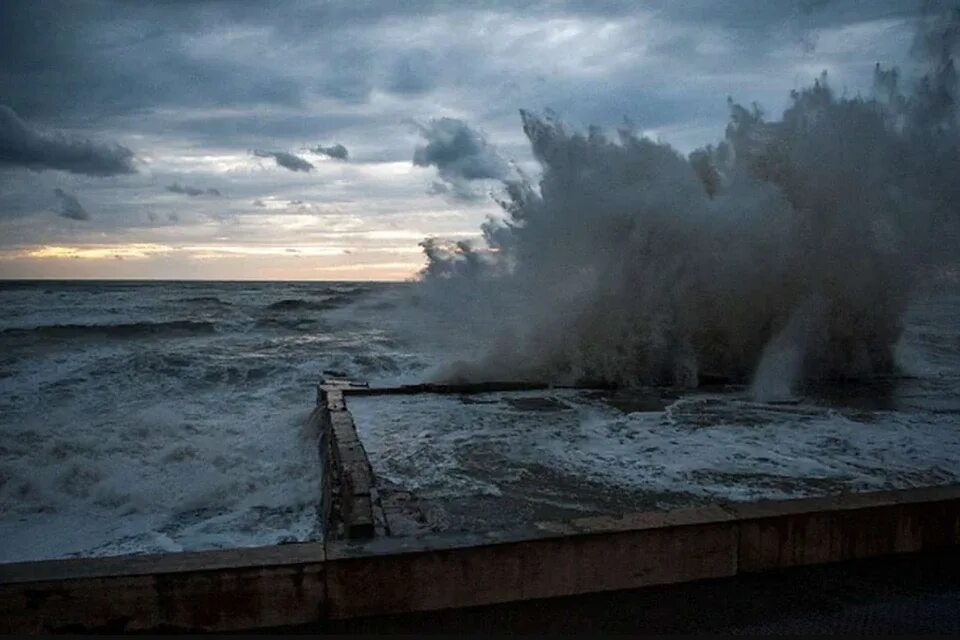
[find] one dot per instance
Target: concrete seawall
(308, 583)
(360, 570)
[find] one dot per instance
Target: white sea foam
(895, 433)
(120, 431)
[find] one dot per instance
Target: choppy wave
(119, 330)
(205, 300)
(296, 323)
(170, 416)
(301, 304)
(298, 304)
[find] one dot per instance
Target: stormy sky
(324, 140)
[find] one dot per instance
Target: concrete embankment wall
(361, 571)
(309, 583)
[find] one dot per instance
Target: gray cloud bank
(23, 146)
(285, 160)
(335, 151)
(460, 154)
(192, 191)
(70, 207)
(199, 84)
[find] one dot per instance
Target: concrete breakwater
(362, 570)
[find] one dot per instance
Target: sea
(168, 416)
(143, 417)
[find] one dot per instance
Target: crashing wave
(786, 253)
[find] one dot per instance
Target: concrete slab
(204, 591)
(311, 583)
(547, 567)
(816, 537)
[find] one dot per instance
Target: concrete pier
(360, 570)
(355, 511)
(310, 583)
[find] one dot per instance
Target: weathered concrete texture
(465, 388)
(611, 553)
(243, 594)
(303, 583)
(359, 514)
(149, 564)
(833, 530)
(318, 423)
(908, 595)
(539, 568)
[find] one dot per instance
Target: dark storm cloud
(25, 146)
(335, 151)
(414, 73)
(89, 58)
(285, 160)
(70, 207)
(255, 129)
(460, 154)
(192, 191)
(95, 52)
(199, 84)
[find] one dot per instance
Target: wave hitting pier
(360, 569)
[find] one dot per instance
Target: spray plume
(784, 254)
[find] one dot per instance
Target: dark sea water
(148, 416)
(163, 416)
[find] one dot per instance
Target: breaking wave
(298, 304)
(786, 253)
(333, 301)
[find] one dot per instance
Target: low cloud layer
(215, 81)
(335, 151)
(24, 146)
(285, 160)
(461, 156)
(70, 207)
(192, 191)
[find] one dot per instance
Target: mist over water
(785, 254)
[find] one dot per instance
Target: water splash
(788, 250)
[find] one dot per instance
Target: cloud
(192, 191)
(215, 80)
(70, 207)
(414, 73)
(285, 160)
(23, 146)
(460, 154)
(335, 151)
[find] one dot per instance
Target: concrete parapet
(301, 583)
(456, 573)
(355, 512)
(212, 590)
(362, 572)
(781, 534)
